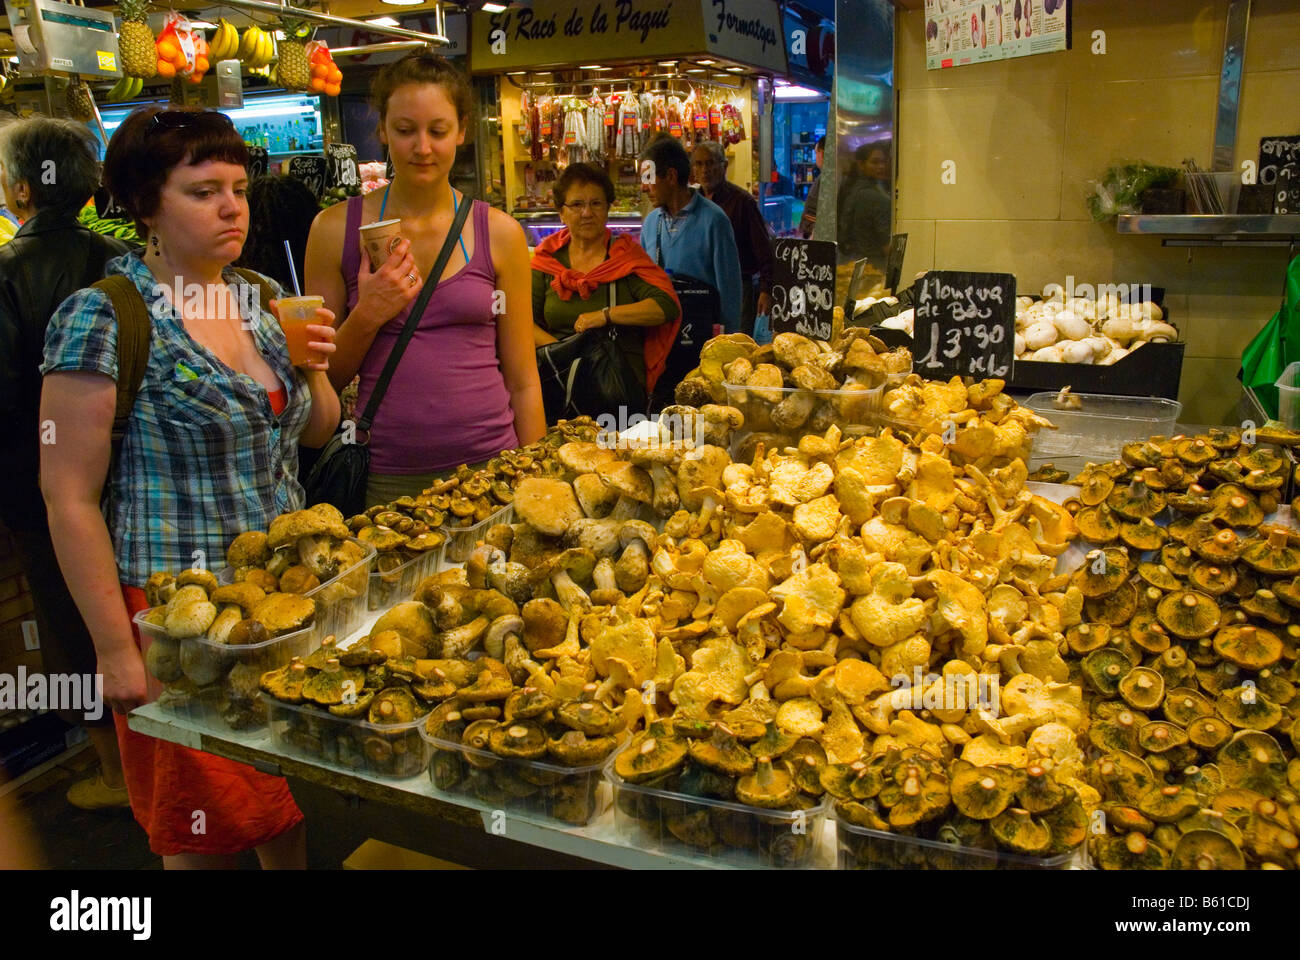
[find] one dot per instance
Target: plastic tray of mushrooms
(529, 754)
(356, 708)
(394, 578)
(704, 792)
(209, 675)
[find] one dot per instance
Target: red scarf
(625, 257)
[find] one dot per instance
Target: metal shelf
(1215, 229)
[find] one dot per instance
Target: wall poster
(959, 32)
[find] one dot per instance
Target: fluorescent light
(706, 63)
(383, 22)
(735, 69)
(494, 8)
(794, 92)
(202, 25)
(404, 3)
(515, 73)
(592, 66)
(697, 70)
(667, 63)
(782, 83)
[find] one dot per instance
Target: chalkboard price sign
(965, 324)
(312, 171)
(1274, 154)
(342, 159)
(259, 161)
(803, 287)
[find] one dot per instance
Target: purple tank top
(447, 403)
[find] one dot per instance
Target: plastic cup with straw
(296, 313)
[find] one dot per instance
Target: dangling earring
(153, 242)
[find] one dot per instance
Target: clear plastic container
(531, 788)
(229, 699)
(783, 422)
(1099, 426)
(731, 833)
(1288, 396)
(394, 751)
(864, 849)
(393, 586)
(342, 602)
(462, 540)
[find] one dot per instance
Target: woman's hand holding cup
(384, 293)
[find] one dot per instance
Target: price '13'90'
(952, 343)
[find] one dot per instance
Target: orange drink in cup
(295, 314)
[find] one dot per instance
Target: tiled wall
(1027, 134)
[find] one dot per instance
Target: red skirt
(193, 802)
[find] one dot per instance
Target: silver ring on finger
(412, 277)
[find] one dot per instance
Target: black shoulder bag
(339, 474)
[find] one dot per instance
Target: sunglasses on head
(185, 119)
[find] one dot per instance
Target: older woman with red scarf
(584, 278)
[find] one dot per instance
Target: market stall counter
(414, 814)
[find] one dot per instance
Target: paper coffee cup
(379, 239)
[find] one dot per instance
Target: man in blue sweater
(689, 234)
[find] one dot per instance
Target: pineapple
(80, 105)
(136, 40)
(293, 70)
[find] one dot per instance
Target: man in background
(809, 218)
(709, 167)
(686, 233)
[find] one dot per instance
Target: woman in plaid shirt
(210, 451)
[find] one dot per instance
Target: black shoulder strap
(134, 330)
(417, 311)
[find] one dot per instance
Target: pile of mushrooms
(1191, 656)
(795, 385)
(299, 553)
(357, 707)
(209, 642)
(1079, 330)
(410, 526)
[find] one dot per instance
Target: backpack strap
(134, 330)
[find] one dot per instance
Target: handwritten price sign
(803, 287)
(965, 323)
(313, 171)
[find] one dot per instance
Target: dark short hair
(821, 144)
(421, 68)
(143, 151)
(28, 147)
(667, 153)
(280, 208)
(578, 175)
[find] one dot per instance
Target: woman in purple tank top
(466, 387)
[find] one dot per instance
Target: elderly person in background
(48, 169)
(709, 169)
(209, 451)
(584, 278)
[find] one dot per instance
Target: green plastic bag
(1276, 346)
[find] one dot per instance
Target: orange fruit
(166, 69)
(320, 70)
(196, 78)
(168, 49)
(201, 64)
(333, 89)
(336, 76)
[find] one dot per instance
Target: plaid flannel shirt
(204, 458)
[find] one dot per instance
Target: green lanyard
(455, 205)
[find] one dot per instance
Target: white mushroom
(1045, 355)
(1075, 351)
(1071, 326)
(1020, 344)
(1041, 334)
